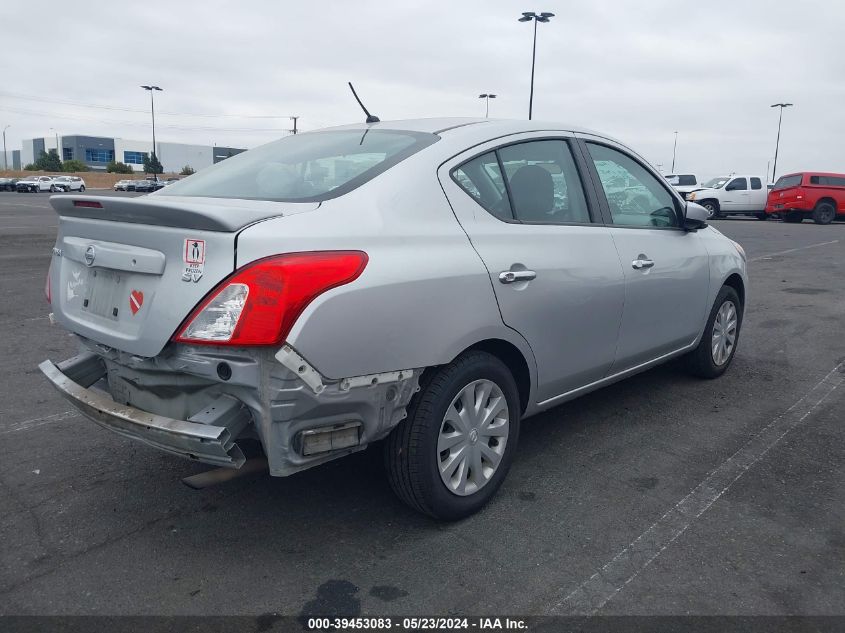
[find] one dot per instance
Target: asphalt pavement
(662, 494)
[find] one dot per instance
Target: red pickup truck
(815, 195)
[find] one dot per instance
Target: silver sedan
(428, 283)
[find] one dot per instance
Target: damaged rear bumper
(208, 436)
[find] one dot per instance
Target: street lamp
(674, 150)
(5, 155)
(486, 98)
(528, 16)
(152, 89)
(777, 143)
(58, 149)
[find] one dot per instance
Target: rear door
(552, 264)
(757, 194)
(667, 270)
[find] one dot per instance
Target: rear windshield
(788, 181)
(681, 180)
(304, 167)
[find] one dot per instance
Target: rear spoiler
(205, 214)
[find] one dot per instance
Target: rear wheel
(717, 346)
(824, 213)
(452, 452)
(793, 217)
(712, 209)
(82, 189)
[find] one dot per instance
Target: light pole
(58, 149)
(486, 98)
(777, 143)
(5, 155)
(151, 90)
(674, 151)
(528, 16)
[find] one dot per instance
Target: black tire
(712, 207)
(82, 189)
(824, 213)
(793, 217)
(700, 361)
(410, 451)
(761, 216)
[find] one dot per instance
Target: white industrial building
(98, 151)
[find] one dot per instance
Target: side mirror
(695, 217)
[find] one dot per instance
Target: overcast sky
(637, 70)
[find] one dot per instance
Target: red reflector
(87, 203)
(278, 289)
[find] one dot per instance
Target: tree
(75, 165)
(30, 167)
(119, 168)
(49, 161)
(187, 170)
(152, 165)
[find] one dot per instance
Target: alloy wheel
(723, 338)
(472, 437)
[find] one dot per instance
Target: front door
(555, 270)
(667, 271)
(736, 195)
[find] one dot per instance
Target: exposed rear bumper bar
(210, 438)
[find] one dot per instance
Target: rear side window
(305, 167)
(756, 184)
(788, 181)
(482, 179)
(829, 181)
(544, 183)
(541, 183)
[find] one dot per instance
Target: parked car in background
(8, 184)
(254, 299)
(67, 183)
(121, 185)
(732, 195)
(816, 195)
(683, 183)
(148, 185)
(34, 184)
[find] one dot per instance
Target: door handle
(642, 262)
(510, 276)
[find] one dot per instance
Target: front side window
(737, 184)
(756, 183)
(307, 167)
(544, 183)
(634, 195)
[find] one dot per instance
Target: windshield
(785, 182)
(306, 167)
(717, 183)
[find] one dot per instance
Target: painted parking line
(791, 250)
(25, 425)
(592, 594)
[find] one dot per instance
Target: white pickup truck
(732, 195)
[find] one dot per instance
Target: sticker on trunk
(193, 256)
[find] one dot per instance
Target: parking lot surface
(596, 515)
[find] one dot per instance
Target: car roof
(467, 125)
(813, 173)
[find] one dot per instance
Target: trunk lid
(127, 271)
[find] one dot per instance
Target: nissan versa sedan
(428, 283)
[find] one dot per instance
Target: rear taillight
(258, 304)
